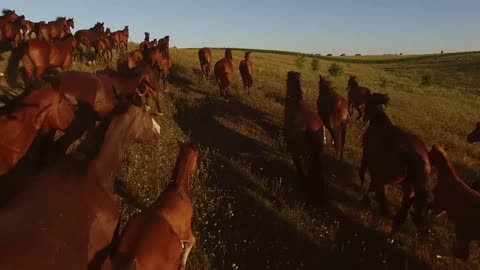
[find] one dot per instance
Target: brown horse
(10, 31)
(104, 46)
(28, 29)
(8, 15)
(394, 156)
(120, 39)
(147, 44)
(72, 226)
(246, 70)
(39, 55)
(89, 37)
(205, 59)
(224, 73)
(126, 63)
(461, 203)
(333, 110)
(159, 58)
(97, 96)
(303, 131)
(147, 239)
(474, 136)
(22, 119)
(357, 96)
(55, 29)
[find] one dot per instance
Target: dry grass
(250, 212)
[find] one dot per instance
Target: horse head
(247, 54)
(228, 54)
(474, 136)
(352, 82)
(374, 104)
(294, 90)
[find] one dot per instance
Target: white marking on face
(156, 127)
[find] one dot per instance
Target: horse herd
(57, 206)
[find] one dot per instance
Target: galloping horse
(89, 37)
(357, 96)
(474, 136)
(246, 71)
(126, 63)
(66, 217)
(394, 156)
(97, 96)
(159, 58)
(104, 46)
(147, 239)
(8, 15)
(303, 131)
(55, 29)
(461, 203)
(224, 73)
(120, 39)
(23, 118)
(333, 110)
(39, 55)
(205, 59)
(11, 30)
(146, 44)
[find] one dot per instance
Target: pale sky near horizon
(340, 26)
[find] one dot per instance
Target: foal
(153, 239)
(205, 59)
(246, 71)
(394, 156)
(224, 73)
(303, 131)
(333, 110)
(357, 96)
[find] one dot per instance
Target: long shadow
(256, 237)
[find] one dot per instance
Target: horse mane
(378, 99)
(6, 10)
(61, 18)
(326, 83)
(352, 82)
(293, 85)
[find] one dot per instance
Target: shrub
(427, 79)
(358, 54)
(335, 70)
(315, 64)
(342, 54)
(383, 82)
(300, 60)
(329, 54)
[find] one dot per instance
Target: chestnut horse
(159, 58)
(104, 46)
(66, 217)
(23, 118)
(461, 203)
(394, 156)
(55, 29)
(147, 239)
(146, 44)
(124, 64)
(11, 30)
(120, 39)
(205, 59)
(39, 55)
(89, 37)
(357, 96)
(246, 71)
(97, 96)
(333, 110)
(8, 15)
(303, 131)
(28, 28)
(474, 136)
(224, 73)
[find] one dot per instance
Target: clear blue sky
(334, 26)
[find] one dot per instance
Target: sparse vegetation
(335, 70)
(315, 64)
(383, 82)
(427, 79)
(300, 60)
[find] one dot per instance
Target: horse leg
(359, 111)
(381, 199)
(461, 244)
(343, 127)
(401, 215)
(188, 247)
(350, 108)
(39, 72)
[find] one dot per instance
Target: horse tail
(315, 161)
(418, 170)
(13, 62)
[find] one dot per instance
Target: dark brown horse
(159, 58)
(461, 203)
(394, 156)
(120, 39)
(357, 96)
(147, 239)
(55, 29)
(246, 71)
(103, 47)
(89, 37)
(224, 73)
(147, 44)
(66, 218)
(303, 131)
(39, 55)
(205, 59)
(8, 15)
(333, 110)
(10, 31)
(126, 63)
(474, 136)
(21, 120)
(97, 96)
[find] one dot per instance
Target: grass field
(250, 212)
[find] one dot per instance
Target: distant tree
(335, 70)
(315, 64)
(441, 52)
(343, 54)
(329, 54)
(358, 54)
(401, 53)
(300, 60)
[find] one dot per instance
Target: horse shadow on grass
(257, 236)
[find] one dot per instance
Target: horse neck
(352, 85)
(182, 172)
(28, 131)
(125, 84)
(447, 174)
(380, 118)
